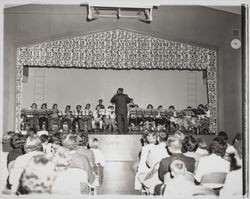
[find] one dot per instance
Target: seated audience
(182, 186)
(159, 151)
(84, 150)
(32, 147)
(143, 169)
(76, 178)
(43, 131)
(202, 147)
(17, 143)
(76, 160)
(100, 161)
(190, 146)
(213, 162)
(174, 145)
(230, 149)
(47, 147)
(38, 176)
(233, 183)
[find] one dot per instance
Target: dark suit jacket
(165, 164)
(120, 101)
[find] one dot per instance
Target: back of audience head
(44, 138)
(223, 135)
(190, 144)
(17, 141)
(237, 137)
(32, 143)
(82, 139)
(56, 138)
(61, 157)
(218, 146)
(174, 144)
(93, 142)
(31, 132)
(180, 135)
(151, 137)
(178, 168)
(38, 176)
(202, 144)
(71, 142)
(162, 136)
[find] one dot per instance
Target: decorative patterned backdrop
(119, 49)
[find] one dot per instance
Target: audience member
(76, 178)
(143, 169)
(32, 147)
(230, 149)
(77, 160)
(84, 150)
(213, 162)
(182, 186)
(202, 147)
(38, 176)
(158, 152)
(190, 146)
(233, 183)
(174, 145)
(17, 143)
(100, 161)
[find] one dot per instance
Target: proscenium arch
(119, 49)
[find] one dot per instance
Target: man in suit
(121, 100)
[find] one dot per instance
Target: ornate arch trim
(119, 49)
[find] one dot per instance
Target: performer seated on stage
(97, 119)
(43, 120)
(68, 117)
(160, 122)
(135, 119)
(100, 104)
(87, 118)
(55, 120)
(148, 119)
(34, 106)
(77, 121)
(110, 119)
(132, 104)
(33, 121)
(172, 119)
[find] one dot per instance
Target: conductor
(121, 100)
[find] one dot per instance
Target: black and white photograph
(124, 99)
